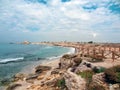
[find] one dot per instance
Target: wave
(54, 57)
(48, 47)
(4, 61)
(71, 51)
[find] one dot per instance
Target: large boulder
(83, 67)
(67, 61)
(99, 80)
(19, 76)
(55, 71)
(73, 81)
(40, 69)
(32, 76)
(13, 86)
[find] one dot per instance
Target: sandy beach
(25, 85)
(30, 69)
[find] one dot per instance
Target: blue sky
(59, 20)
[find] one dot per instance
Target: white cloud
(57, 17)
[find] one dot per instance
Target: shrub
(98, 70)
(61, 83)
(112, 75)
(87, 75)
(90, 42)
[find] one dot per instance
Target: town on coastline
(93, 66)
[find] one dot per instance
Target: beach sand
(31, 69)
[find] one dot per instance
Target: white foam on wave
(48, 47)
(11, 60)
(72, 50)
(54, 57)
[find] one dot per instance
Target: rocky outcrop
(40, 69)
(98, 79)
(32, 76)
(114, 87)
(69, 61)
(13, 86)
(55, 71)
(19, 76)
(83, 67)
(73, 81)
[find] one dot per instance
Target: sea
(16, 57)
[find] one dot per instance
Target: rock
(13, 86)
(30, 81)
(48, 78)
(98, 79)
(40, 69)
(66, 62)
(5, 81)
(73, 81)
(32, 76)
(85, 66)
(114, 87)
(18, 76)
(69, 56)
(53, 82)
(40, 77)
(55, 71)
(81, 69)
(69, 61)
(34, 87)
(77, 61)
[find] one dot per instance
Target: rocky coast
(86, 69)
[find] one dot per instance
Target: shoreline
(47, 62)
(52, 62)
(47, 74)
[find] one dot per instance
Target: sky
(60, 20)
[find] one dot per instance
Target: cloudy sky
(59, 20)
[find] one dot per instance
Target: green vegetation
(90, 42)
(87, 75)
(112, 75)
(98, 70)
(61, 83)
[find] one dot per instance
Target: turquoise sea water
(14, 57)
